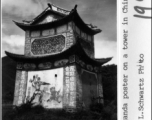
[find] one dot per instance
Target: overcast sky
(101, 13)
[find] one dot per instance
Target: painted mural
(49, 45)
(45, 88)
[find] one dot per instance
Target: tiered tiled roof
(76, 49)
(65, 17)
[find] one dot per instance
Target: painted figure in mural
(54, 95)
(36, 83)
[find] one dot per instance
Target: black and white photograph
(59, 59)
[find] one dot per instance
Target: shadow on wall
(89, 87)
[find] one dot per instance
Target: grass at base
(29, 112)
(33, 114)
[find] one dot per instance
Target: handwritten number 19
(141, 10)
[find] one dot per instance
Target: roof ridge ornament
(75, 7)
(58, 9)
(50, 5)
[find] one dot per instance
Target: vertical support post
(20, 87)
(17, 84)
(100, 88)
(27, 48)
(69, 90)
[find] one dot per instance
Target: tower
(58, 68)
